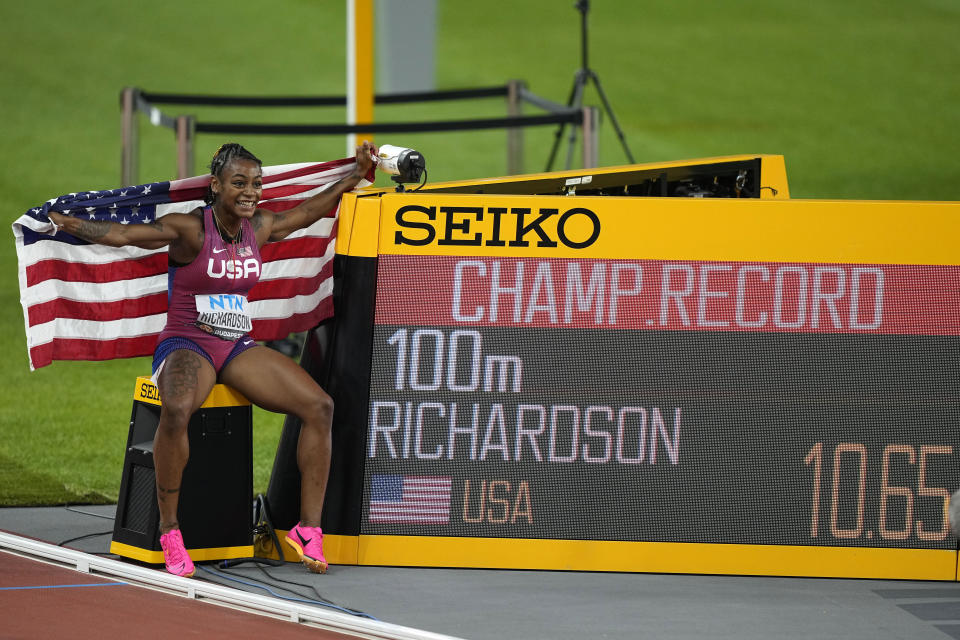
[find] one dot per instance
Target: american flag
(84, 301)
(397, 499)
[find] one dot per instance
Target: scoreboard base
(153, 556)
(644, 557)
(337, 549)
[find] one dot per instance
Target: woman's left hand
(366, 157)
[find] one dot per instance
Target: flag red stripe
(82, 349)
(109, 272)
(99, 311)
(289, 287)
(281, 328)
(184, 195)
(305, 171)
(131, 269)
(307, 247)
(278, 205)
(374, 519)
(286, 190)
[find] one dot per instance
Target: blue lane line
(66, 586)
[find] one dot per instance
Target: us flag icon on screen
(398, 499)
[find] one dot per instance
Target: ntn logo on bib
(213, 303)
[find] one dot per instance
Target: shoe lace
(173, 550)
(316, 542)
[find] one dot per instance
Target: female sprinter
(216, 250)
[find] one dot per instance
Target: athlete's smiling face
(238, 188)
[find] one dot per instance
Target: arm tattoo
(93, 230)
(257, 222)
(125, 229)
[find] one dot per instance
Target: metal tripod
(584, 75)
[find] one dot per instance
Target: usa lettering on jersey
(233, 269)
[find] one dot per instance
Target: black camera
(404, 165)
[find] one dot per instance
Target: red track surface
(40, 600)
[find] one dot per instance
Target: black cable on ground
(319, 596)
(264, 512)
(299, 584)
(86, 535)
(261, 584)
(231, 577)
(88, 513)
(266, 522)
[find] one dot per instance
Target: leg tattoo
(163, 492)
(183, 375)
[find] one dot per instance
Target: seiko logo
(149, 391)
(576, 228)
(233, 269)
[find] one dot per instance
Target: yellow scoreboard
(739, 385)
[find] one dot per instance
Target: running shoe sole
(186, 575)
(317, 566)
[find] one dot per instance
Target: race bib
(224, 315)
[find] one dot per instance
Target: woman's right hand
(57, 219)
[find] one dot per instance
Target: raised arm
(277, 226)
(170, 229)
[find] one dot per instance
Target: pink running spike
(175, 556)
(308, 543)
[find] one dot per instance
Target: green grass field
(860, 97)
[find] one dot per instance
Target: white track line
(214, 593)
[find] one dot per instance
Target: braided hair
(226, 154)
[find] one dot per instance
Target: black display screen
(629, 401)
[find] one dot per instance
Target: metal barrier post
(129, 136)
(591, 124)
(515, 134)
(185, 130)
